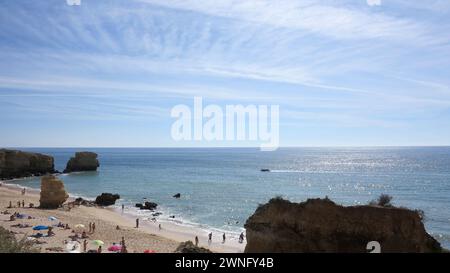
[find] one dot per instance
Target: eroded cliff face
(83, 161)
(320, 225)
(53, 193)
(17, 164)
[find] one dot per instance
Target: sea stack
(106, 199)
(17, 164)
(83, 161)
(53, 193)
(320, 225)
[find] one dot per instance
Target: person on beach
(223, 238)
(18, 204)
(23, 203)
(159, 226)
(84, 235)
(23, 191)
(122, 242)
(210, 238)
(137, 222)
(196, 240)
(123, 249)
(10, 205)
(85, 243)
(50, 232)
(123, 207)
(93, 227)
(117, 227)
(99, 250)
(90, 227)
(241, 238)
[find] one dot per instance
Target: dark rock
(265, 170)
(83, 161)
(106, 199)
(189, 247)
(178, 195)
(17, 164)
(83, 202)
(320, 225)
(147, 206)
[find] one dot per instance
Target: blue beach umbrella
(40, 227)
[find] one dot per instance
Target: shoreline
(174, 232)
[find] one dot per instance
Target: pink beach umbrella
(115, 248)
(149, 251)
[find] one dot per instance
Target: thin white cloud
(374, 2)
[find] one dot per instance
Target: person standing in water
(123, 207)
(210, 238)
(223, 238)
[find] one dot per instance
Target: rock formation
(189, 247)
(83, 161)
(320, 225)
(17, 164)
(147, 206)
(106, 199)
(53, 194)
(178, 195)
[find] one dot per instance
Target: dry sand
(147, 236)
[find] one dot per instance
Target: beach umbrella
(98, 242)
(149, 251)
(52, 218)
(115, 248)
(40, 227)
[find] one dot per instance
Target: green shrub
(9, 243)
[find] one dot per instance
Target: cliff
(83, 161)
(17, 164)
(320, 225)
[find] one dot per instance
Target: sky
(107, 73)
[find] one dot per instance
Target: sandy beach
(147, 237)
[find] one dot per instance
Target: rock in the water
(189, 247)
(17, 164)
(178, 195)
(83, 161)
(106, 199)
(320, 225)
(53, 194)
(147, 206)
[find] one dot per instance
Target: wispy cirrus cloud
(340, 62)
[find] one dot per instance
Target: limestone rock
(83, 161)
(189, 247)
(320, 225)
(17, 164)
(53, 194)
(106, 199)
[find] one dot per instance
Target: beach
(147, 237)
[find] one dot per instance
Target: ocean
(221, 187)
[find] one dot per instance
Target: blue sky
(106, 73)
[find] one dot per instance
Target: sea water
(221, 187)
